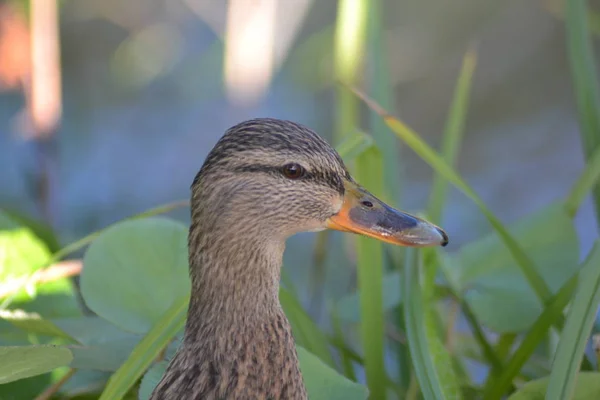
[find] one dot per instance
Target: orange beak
(365, 214)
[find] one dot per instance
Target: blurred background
(113, 110)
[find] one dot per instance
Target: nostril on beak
(444, 238)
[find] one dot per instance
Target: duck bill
(365, 214)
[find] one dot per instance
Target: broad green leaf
(107, 356)
(91, 330)
(27, 388)
(491, 281)
(10, 335)
(576, 333)
(146, 351)
(322, 382)
(21, 255)
(588, 388)
(33, 323)
(40, 229)
(135, 270)
(493, 360)
(306, 332)
(151, 379)
(348, 306)
(24, 361)
(414, 314)
(84, 383)
(56, 299)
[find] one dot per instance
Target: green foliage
(496, 386)
(305, 330)
(585, 81)
(22, 253)
(116, 261)
(512, 286)
(419, 335)
(112, 283)
(23, 362)
(453, 134)
(370, 277)
(151, 379)
(33, 323)
(324, 383)
(588, 387)
(348, 306)
(582, 314)
(486, 274)
(147, 350)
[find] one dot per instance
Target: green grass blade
(585, 81)
(353, 145)
(308, 333)
(382, 91)
(414, 314)
(586, 182)
(576, 333)
(441, 167)
(495, 388)
(348, 50)
(504, 345)
(450, 146)
(453, 134)
(381, 88)
(441, 358)
(370, 281)
(146, 351)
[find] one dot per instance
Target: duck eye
(293, 171)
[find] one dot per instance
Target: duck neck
(238, 343)
(235, 282)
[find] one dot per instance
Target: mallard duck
(264, 181)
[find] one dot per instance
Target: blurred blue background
(147, 92)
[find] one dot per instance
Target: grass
(369, 168)
(427, 363)
(585, 81)
(575, 336)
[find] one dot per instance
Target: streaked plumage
(238, 343)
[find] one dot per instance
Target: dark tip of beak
(444, 238)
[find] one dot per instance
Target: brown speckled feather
(238, 343)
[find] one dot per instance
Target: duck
(265, 180)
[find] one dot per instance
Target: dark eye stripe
(329, 178)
